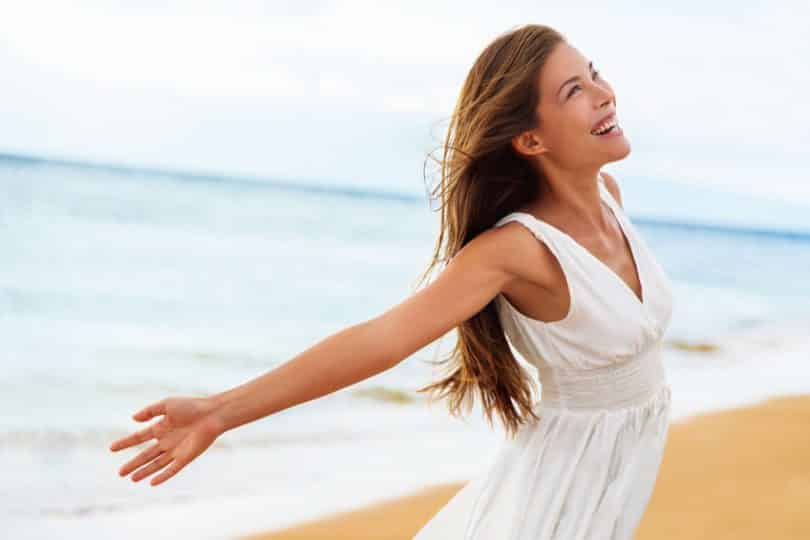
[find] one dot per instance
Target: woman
(540, 256)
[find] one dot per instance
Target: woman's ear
(528, 143)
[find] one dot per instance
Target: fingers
(147, 455)
(156, 465)
(136, 438)
(151, 411)
(176, 465)
(166, 459)
(145, 434)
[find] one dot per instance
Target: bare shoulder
(517, 252)
(613, 187)
(474, 276)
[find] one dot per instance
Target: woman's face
(574, 99)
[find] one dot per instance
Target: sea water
(119, 287)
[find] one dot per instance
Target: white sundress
(586, 469)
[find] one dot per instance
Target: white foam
(244, 490)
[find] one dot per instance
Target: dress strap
(552, 237)
(606, 195)
(537, 227)
(624, 220)
(545, 233)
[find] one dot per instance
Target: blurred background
(192, 193)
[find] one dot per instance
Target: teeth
(604, 127)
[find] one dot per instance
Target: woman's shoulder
(514, 246)
(612, 186)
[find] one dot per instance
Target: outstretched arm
(189, 425)
(474, 276)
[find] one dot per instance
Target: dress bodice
(607, 324)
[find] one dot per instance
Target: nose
(606, 96)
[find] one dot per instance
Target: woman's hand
(187, 429)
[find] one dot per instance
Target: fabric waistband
(623, 384)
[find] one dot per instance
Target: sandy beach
(740, 473)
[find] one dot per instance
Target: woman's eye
(571, 93)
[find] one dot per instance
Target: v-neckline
(641, 302)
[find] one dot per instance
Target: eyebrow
(572, 79)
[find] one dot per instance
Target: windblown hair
(482, 179)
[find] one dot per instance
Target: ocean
(121, 286)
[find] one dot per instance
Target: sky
(360, 92)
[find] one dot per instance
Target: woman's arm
(470, 281)
(190, 425)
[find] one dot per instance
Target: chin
(618, 155)
(621, 154)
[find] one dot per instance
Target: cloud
(705, 84)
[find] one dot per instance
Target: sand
(741, 473)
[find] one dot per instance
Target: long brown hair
(482, 179)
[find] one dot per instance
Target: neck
(574, 196)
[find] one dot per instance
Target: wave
(56, 440)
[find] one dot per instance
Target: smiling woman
(589, 315)
(539, 258)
